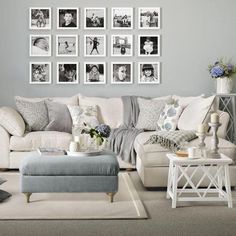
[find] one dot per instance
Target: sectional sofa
(151, 163)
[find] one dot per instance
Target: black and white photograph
(40, 72)
(122, 18)
(67, 45)
(67, 73)
(121, 45)
(94, 45)
(40, 45)
(67, 18)
(148, 72)
(121, 73)
(94, 73)
(149, 45)
(95, 18)
(40, 18)
(149, 18)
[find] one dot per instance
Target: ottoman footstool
(45, 174)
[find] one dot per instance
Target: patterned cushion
(150, 110)
(34, 113)
(84, 114)
(169, 116)
(59, 117)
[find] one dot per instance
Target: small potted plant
(222, 72)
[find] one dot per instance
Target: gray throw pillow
(59, 117)
(150, 110)
(4, 195)
(34, 113)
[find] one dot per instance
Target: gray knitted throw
(171, 140)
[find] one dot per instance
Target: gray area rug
(126, 205)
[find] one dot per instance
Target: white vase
(224, 85)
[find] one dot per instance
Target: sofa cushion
(195, 113)
(153, 155)
(110, 110)
(185, 101)
(40, 139)
(150, 111)
(59, 117)
(12, 121)
(64, 100)
(34, 113)
(150, 154)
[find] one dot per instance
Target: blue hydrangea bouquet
(222, 69)
(100, 133)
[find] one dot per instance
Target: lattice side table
(216, 171)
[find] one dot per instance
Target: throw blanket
(171, 139)
(121, 140)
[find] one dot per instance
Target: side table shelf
(227, 103)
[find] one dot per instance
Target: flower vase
(224, 85)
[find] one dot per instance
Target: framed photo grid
(68, 43)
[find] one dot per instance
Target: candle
(214, 118)
(76, 139)
(201, 129)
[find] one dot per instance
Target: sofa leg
(3, 169)
(111, 196)
(27, 197)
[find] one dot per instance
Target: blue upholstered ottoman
(43, 174)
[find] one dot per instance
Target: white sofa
(151, 164)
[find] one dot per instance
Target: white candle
(76, 139)
(201, 129)
(214, 118)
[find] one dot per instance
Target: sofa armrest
(224, 120)
(4, 148)
(12, 121)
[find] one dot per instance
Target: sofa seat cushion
(153, 155)
(39, 139)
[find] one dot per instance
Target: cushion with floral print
(169, 116)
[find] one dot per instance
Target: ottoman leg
(111, 195)
(27, 197)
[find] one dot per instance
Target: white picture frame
(121, 72)
(90, 45)
(40, 45)
(149, 18)
(122, 18)
(62, 76)
(99, 76)
(126, 41)
(40, 18)
(149, 45)
(40, 73)
(67, 45)
(154, 77)
(64, 15)
(95, 18)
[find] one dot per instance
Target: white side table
(216, 171)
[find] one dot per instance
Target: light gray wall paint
(193, 33)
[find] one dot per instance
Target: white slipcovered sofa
(151, 164)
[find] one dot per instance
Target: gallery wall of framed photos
(75, 50)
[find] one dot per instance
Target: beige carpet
(126, 205)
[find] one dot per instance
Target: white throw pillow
(12, 121)
(84, 114)
(169, 116)
(195, 113)
(185, 101)
(110, 110)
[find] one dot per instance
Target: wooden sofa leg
(27, 197)
(111, 196)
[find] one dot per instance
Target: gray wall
(193, 33)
